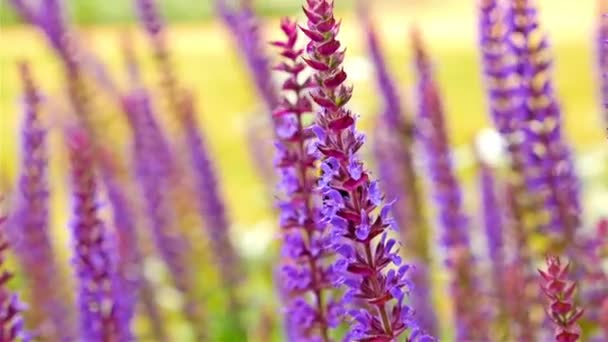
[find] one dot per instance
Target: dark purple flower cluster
(92, 256)
(306, 274)
(353, 204)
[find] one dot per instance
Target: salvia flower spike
(29, 223)
(128, 275)
(245, 28)
(393, 147)
(430, 126)
(92, 257)
(11, 323)
(211, 203)
(305, 275)
(549, 166)
(602, 54)
(352, 203)
(559, 291)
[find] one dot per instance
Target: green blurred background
(207, 61)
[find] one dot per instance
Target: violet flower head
(245, 29)
(559, 290)
(210, 202)
(353, 205)
(432, 133)
(29, 224)
(92, 259)
(11, 322)
(549, 166)
(306, 275)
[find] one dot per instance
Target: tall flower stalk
(393, 147)
(602, 54)
(153, 163)
(493, 221)
(30, 223)
(470, 321)
(369, 265)
(211, 204)
(92, 259)
(210, 201)
(559, 291)
(306, 274)
(549, 166)
(128, 275)
(11, 322)
(245, 28)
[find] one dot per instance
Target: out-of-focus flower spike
(549, 166)
(559, 291)
(374, 298)
(493, 221)
(245, 29)
(154, 165)
(211, 203)
(602, 54)
(393, 144)
(304, 282)
(128, 275)
(471, 323)
(92, 258)
(11, 322)
(29, 223)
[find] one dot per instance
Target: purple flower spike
(29, 225)
(211, 203)
(602, 54)
(549, 167)
(11, 323)
(357, 229)
(470, 321)
(393, 144)
(128, 275)
(154, 165)
(306, 273)
(92, 259)
(493, 222)
(245, 29)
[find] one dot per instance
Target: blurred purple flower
(245, 28)
(11, 322)
(602, 54)
(128, 275)
(92, 257)
(549, 166)
(211, 204)
(471, 323)
(393, 143)
(29, 225)
(306, 276)
(353, 207)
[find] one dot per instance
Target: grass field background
(207, 61)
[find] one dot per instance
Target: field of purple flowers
(120, 221)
